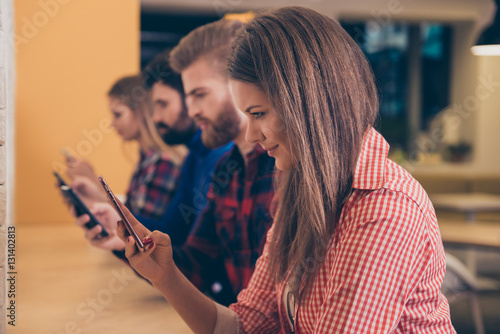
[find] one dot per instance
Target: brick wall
(6, 140)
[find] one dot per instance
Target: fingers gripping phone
(116, 205)
(80, 207)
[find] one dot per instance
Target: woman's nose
(254, 133)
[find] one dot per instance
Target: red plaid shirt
(382, 272)
(229, 235)
(153, 185)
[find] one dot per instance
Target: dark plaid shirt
(153, 185)
(229, 235)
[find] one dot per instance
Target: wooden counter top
(66, 286)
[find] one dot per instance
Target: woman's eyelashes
(257, 115)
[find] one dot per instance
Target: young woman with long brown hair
(355, 246)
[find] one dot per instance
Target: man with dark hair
(233, 226)
(169, 107)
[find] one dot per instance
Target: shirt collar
(370, 169)
(196, 144)
(149, 157)
(194, 141)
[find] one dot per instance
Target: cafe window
(411, 63)
(162, 30)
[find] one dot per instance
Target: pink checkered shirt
(382, 272)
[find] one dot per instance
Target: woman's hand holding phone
(149, 253)
(155, 262)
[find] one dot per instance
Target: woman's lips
(271, 150)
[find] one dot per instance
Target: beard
(179, 134)
(224, 129)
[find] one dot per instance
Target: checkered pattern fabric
(383, 268)
(153, 185)
(233, 226)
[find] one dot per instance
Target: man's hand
(108, 217)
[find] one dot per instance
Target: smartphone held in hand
(77, 203)
(116, 205)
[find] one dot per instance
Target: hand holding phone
(116, 205)
(77, 203)
(151, 256)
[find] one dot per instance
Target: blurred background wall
(68, 54)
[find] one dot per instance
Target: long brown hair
(322, 88)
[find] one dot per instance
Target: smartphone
(80, 207)
(114, 202)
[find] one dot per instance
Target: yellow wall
(68, 55)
